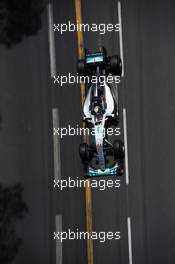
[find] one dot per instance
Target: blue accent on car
(95, 58)
(97, 173)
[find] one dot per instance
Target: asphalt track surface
(147, 92)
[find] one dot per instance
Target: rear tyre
(115, 65)
(81, 67)
(84, 152)
(119, 149)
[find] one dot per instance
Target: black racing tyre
(115, 65)
(119, 149)
(120, 171)
(81, 67)
(84, 152)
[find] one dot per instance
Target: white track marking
(59, 248)
(56, 145)
(121, 36)
(126, 145)
(55, 118)
(125, 130)
(51, 37)
(130, 240)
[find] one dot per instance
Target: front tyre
(84, 152)
(119, 149)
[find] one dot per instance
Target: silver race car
(101, 111)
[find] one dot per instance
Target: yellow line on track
(88, 195)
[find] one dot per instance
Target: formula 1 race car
(100, 110)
